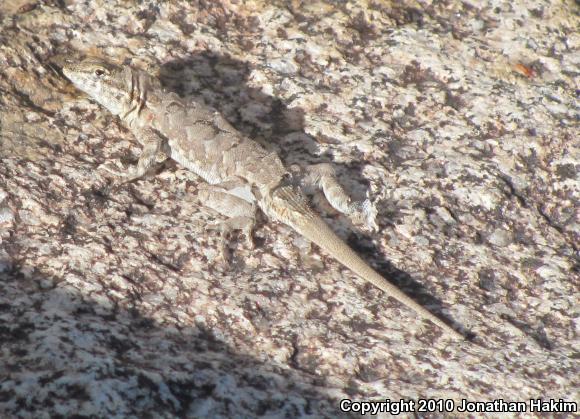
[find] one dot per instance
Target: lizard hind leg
(241, 215)
(323, 177)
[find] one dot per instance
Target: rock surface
(460, 121)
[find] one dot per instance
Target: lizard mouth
(67, 70)
(64, 69)
(70, 73)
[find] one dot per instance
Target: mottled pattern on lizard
(241, 174)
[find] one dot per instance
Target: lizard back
(202, 140)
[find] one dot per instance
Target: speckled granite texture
(458, 118)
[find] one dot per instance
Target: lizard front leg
(323, 177)
(152, 153)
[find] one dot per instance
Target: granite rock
(458, 119)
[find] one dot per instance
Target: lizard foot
(225, 228)
(364, 213)
(323, 177)
(121, 177)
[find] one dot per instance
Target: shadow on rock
(64, 352)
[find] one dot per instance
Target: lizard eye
(99, 72)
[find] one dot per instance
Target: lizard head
(103, 81)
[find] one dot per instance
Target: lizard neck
(134, 105)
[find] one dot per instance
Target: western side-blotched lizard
(241, 174)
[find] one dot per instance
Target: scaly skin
(200, 139)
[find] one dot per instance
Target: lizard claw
(112, 171)
(121, 177)
(368, 215)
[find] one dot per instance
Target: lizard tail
(316, 230)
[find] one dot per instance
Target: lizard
(241, 175)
